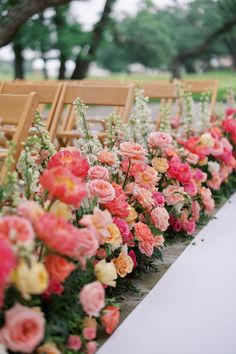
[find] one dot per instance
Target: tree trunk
(62, 68)
(82, 63)
(190, 53)
(18, 61)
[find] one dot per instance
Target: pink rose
(159, 241)
(91, 347)
(158, 198)
(124, 229)
(145, 238)
(16, 230)
(191, 188)
(102, 190)
(135, 152)
(92, 298)
(74, 342)
(145, 198)
(23, 329)
(160, 218)
(110, 318)
(159, 140)
(98, 172)
(134, 258)
(106, 157)
(189, 227)
(89, 333)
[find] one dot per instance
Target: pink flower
(58, 267)
(98, 172)
(91, 347)
(160, 218)
(179, 170)
(8, 262)
(103, 190)
(89, 333)
(54, 287)
(159, 140)
(199, 176)
(124, 229)
(135, 152)
(118, 206)
(145, 238)
(175, 224)
(98, 222)
(191, 188)
(23, 329)
(145, 198)
(158, 198)
(207, 199)
(110, 318)
(189, 227)
(159, 241)
(106, 157)
(72, 159)
(74, 342)
(92, 298)
(134, 258)
(64, 185)
(195, 211)
(173, 195)
(30, 210)
(192, 158)
(215, 182)
(147, 178)
(16, 230)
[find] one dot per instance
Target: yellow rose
(30, 278)
(115, 238)
(207, 140)
(160, 164)
(60, 209)
(48, 348)
(203, 162)
(124, 263)
(106, 272)
(132, 215)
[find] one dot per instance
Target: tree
(14, 13)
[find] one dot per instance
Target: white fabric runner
(192, 309)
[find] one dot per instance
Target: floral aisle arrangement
(83, 220)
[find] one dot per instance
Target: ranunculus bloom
(92, 298)
(58, 267)
(17, 230)
(145, 238)
(64, 185)
(160, 217)
(159, 140)
(74, 342)
(124, 263)
(8, 262)
(118, 206)
(98, 172)
(106, 272)
(98, 222)
(103, 190)
(23, 329)
(110, 318)
(160, 164)
(106, 157)
(72, 159)
(30, 277)
(135, 152)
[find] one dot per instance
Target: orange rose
(124, 263)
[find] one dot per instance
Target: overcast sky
(88, 12)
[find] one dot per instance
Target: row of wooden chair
(54, 100)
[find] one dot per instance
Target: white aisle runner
(192, 309)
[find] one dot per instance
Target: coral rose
(17, 230)
(160, 218)
(145, 238)
(72, 159)
(98, 172)
(58, 267)
(110, 318)
(106, 157)
(103, 190)
(23, 329)
(64, 185)
(135, 152)
(118, 206)
(92, 298)
(74, 342)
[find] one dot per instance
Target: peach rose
(115, 238)
(48, 348)
(135, 152)
(160, 218)
(124, 263)
(103, 190)
(159, 140)
(58, 267)
(160, 164)
(110, 318)
(23, 329)
(98, 172)
(92, 298)
(99, 222)
(106, 157)
(145, 198)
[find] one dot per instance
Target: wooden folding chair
(164, 92)
(201, 86)
(47, 95)
(113, 96)
(19, 111)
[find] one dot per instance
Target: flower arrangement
(85, 219)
